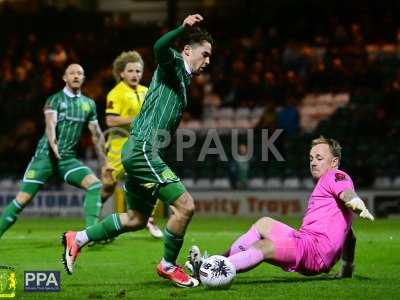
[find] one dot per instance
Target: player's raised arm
(353, 201)
(162, 49)
(51, 121)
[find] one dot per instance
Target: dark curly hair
(196, 35)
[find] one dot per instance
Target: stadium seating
(341, 88)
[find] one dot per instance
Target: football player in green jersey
(148, 176)
(66, 114)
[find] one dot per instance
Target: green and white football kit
(73, 112)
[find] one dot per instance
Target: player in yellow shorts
(124, 103)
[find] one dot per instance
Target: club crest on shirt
(110, 105)
(85, 107)
(30, 174)
(340, 177)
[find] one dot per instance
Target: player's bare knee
(187, 213)
(189, 208)
(264, 225)
(185, 207)
(89, 180)
(265, 220)
(23, 198)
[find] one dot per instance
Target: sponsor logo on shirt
(168, 175)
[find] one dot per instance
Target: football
(217, 272)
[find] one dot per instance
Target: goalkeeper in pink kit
(325, 235)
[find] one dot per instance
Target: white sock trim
(166, 264)
(81, 238)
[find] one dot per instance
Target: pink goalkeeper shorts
(294, 251)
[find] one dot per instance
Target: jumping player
(148, 177)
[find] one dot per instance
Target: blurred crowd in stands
(341, 79)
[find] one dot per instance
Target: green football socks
(92, 205)
(108, 228)
(9, 216)
(172, 245)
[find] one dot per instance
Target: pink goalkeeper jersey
(327, 219)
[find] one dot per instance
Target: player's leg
(182, 212)
(154, 230)
(348, 253)
(259, 230)
(110, 227)
(15, 207)
(253, 256)
(267, 239)
(36, 175)
(79, 175)
(110, 181)
(182, 206)
(92, 205)
(277, 246)
(108, 188)
(140, 202)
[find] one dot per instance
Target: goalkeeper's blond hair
(334, 145)
(122, 60)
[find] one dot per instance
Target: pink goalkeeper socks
(246, 260)
(245, 241)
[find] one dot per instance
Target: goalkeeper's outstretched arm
(353, 201)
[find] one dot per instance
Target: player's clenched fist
(192, 20)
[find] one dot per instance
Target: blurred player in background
(66, 114)
(124, 103)
(325, 234)
(148, 176)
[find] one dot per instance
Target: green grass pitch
(125, 269)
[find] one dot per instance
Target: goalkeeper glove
(357, 204)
